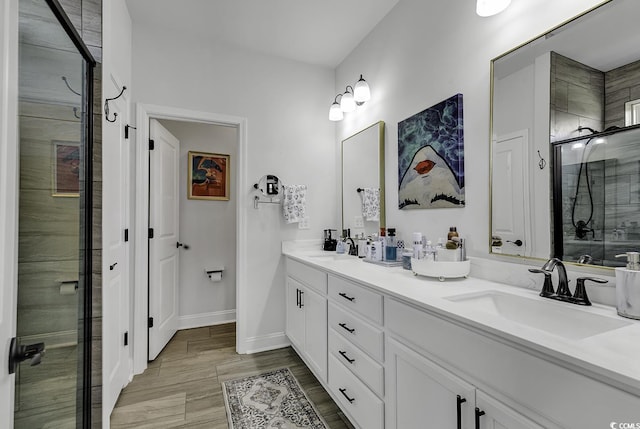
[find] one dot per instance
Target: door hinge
(126, 235)
(126, 130)
(150, 232)
(126, 338)
(152, 144)
(150, 322)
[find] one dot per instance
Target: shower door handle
(19, 353)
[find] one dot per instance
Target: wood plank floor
(182, 387)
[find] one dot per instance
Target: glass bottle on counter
(391, 245)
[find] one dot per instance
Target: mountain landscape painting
(431, 157)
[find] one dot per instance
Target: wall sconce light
(491, 7)
(353, 96)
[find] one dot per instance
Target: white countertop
(612, 357)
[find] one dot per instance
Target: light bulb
(361, 92)
(347, 102)
(491, 7)
(335, 113)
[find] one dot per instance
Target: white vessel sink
(558, 318)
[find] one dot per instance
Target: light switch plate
(358, 222)
(304, 223)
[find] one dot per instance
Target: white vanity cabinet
(392, 362)
(356, 351)
(306, 313)
(420, 393)
(527, 390)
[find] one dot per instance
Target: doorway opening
(209, 232)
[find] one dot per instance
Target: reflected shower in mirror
(597, 195)
(576, 81)
(363, 208)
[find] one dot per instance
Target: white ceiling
(321, 32)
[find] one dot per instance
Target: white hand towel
(371, 204)
(294, 204)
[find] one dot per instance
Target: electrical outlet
(304, 223)
(358, 222)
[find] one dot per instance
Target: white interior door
(116, 367)
(164, 206)
(8, 201)
(510, 195)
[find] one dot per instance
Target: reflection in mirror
(269, 185)
(562, 89)
(363, 181)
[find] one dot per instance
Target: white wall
(422, 53)
(286, 107)
(208, 228)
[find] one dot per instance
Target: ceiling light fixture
(352, 97)
(491, 7)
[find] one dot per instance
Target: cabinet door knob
(346, 328)
(479, 413)
(347, 297)
(460, 400)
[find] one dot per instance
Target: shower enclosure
(596, 197)
(54, 238)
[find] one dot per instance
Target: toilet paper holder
(214, 275)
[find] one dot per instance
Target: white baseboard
(263, 343)
(206, 319)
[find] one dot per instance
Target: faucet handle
(580, 294)
(547, 287)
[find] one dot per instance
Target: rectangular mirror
(552, 99)
(363, 208)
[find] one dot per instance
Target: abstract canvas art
(208, 176)
(431, 157)
(66, 169)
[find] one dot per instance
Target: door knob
(516, 242)
(179, 245)
(19, 353)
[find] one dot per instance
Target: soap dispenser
(628, 286)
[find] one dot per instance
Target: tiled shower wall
(86, 16)
(621, 85)
(577, 97)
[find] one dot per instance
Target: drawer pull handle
(347, 297)
(460, 401)
(343, 391)
(346, 328)
(344, 355)
(301, 298)
(479, 413)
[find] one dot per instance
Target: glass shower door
(54, 124)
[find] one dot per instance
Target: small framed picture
(66, 169)
(208, 177)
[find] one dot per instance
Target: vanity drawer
(357, 331)
(354, 397)
(356, 298)
(308, 275)
(368, 370)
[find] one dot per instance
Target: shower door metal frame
(86, 214)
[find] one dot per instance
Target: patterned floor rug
(272, 400)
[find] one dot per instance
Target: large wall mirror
(363, 208)
(565, 149)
